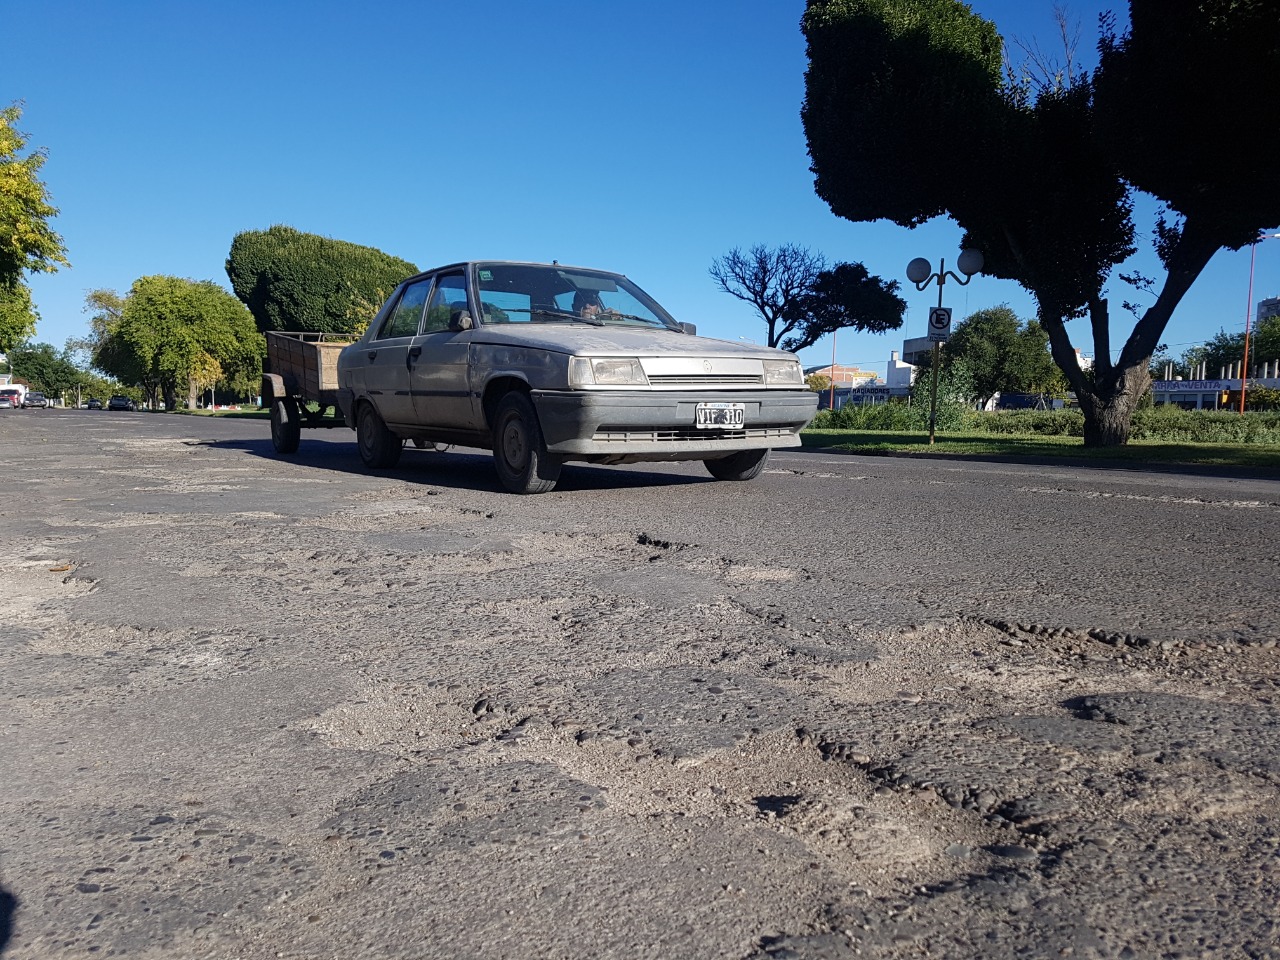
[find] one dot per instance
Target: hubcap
(513, 443)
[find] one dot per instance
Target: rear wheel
(379, 447)
(740, 466)
(286, 427)
(519, 452)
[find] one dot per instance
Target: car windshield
(547, 293)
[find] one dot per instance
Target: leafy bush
(880, 416)
(291, 280)
(1171, 423)
(1043, 423)
(1165, 423)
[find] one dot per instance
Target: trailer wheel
(740, 466)
(379, 447)
(519, 453)
(286, 425)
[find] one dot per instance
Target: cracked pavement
(257, 707)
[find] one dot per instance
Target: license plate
(710, 416)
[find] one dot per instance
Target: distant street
(256, 707)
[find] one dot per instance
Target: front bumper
(659, 425)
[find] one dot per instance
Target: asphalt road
(259, 708)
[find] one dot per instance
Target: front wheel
(379, 447)
(740, 466)
(286, 429)
(519, 452)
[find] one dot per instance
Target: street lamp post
(920, 272)
(1248, 310)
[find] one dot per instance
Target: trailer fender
(272, 389)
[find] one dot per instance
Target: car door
(438, 361)
(386, 355)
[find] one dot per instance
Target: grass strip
(892, 443)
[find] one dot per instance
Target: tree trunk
(1108, 405)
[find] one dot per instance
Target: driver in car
(586, 304)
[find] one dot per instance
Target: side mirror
(462, 321)
(690, 329)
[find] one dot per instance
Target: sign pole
(933, 393)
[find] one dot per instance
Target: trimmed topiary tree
(292, 280)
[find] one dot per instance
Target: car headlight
(606, 371)
(778, 373)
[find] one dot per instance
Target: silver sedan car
(543, 364)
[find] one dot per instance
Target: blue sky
(647, 138)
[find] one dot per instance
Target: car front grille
(705, 380)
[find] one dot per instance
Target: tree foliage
(1003, 355)
(846, 296)
(800, 300)
(43, 367)
(27, 242)
(105, 308)
(17, 316)
(1040, 177)
(292, 280)
(175, 334)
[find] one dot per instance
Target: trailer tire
(740, 466)
(286, 425)
(379, 447)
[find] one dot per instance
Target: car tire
(519, 452)
(379, 447)
(746, 465)
(286, 427)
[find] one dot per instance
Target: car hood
(585, 340)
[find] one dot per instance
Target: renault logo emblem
(706, 366)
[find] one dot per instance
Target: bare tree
(772, 281)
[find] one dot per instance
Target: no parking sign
(939, 324)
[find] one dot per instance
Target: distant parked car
(94, 403)
(5, 403)
(35, 398)
(120, 402)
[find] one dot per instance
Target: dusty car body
(545, 364)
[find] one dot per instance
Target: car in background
(35, 398)
(121, 402)
(94, 404)
(6, 403)
(544, 363)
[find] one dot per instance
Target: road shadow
(8, 907)
(457, 468)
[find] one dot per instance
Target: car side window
(403, 320)
(449, 300)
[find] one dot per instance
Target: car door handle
(413, 354)
(373, 355)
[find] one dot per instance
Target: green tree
(43, 367)
(105, 308)
(17, 316)
(176, 334)
(27, 243)
(292, 280)
(800, 300)
(1002, 354)
(846, 296)
(1041, 174)
(955, 391)
(818, 382)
